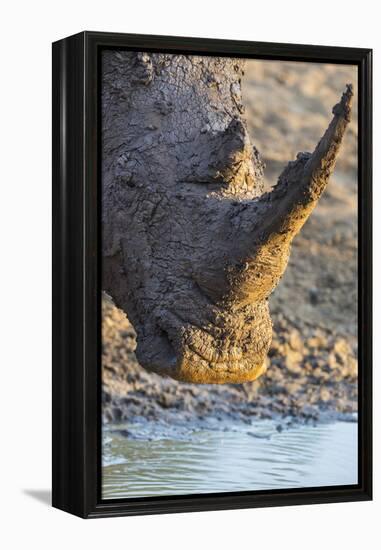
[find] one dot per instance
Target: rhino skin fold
(192, 246)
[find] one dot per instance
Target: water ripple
(209, 461)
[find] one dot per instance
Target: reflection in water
(149, 460)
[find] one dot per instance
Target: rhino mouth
(204, 360)
(205, 354)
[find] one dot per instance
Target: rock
(314, 296)
(316, 342)
(293, 362)
(296, 343)
(352, 365)
(293, 387)
(117, 414)
(123, 433)
(324, 395)
(309, 411)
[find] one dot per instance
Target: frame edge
(75, 249)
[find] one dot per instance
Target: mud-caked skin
(192, 247)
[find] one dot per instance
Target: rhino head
(192, 246)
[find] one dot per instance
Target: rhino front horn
(269, 223)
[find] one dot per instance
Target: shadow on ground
(42, 495)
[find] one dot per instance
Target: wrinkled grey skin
(192, 248)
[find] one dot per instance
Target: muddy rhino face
(192, 246)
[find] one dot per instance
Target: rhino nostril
(168, 350)
(156, 352)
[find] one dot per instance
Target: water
(150, 459)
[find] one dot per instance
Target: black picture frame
(76, 275)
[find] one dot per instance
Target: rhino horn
(268, 224)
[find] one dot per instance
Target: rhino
(192, 243)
